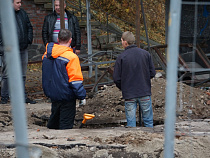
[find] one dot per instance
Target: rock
(92, 148)
(101, 153)
(48, 137)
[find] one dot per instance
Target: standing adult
(51, 27)
(1, 42)
(132, 73)
(25, 37)
(62, 81)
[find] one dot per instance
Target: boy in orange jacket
(62, 81)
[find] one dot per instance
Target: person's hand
(77, 52)
(82, 102)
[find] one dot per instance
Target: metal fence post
(171, 87)
(89, 37)
(107, 25)
(80, 8)
(12, 55)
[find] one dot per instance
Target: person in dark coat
(25, 37)
(133, 71)
(51, 27)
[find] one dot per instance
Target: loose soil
(105, 135)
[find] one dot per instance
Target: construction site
(104, 133)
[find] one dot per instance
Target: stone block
(93, 23)
(42, 1)
(48, 6)
(206, 120)
(35, 52)
(95, 42)
(103, 38)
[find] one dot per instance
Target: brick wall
(36, 13)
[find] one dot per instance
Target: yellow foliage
(126, 10)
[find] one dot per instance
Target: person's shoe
(30, 101)
(4, 100)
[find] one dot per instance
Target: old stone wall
(36, 13)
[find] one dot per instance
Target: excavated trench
(108, 123)
(87, 150)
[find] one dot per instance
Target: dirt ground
(105, 135)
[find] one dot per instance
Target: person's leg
(4, 83)
(24, 63)
(53, 122)
(67, 114)
(145, 104)
(130, 111)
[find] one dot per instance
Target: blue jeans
(145, 105)
(4, 82)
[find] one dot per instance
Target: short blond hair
(128, 37)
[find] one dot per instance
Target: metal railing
(78, 6)
(98, 66)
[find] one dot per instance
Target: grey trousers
(4, 82)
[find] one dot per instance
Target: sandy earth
(105, 135)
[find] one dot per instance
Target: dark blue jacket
(132, 72)
(61, 74)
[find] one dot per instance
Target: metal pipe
(96, 76)
(145, 25)
(172, 64)
(62, 23)
(107, 27)
(195, 3)
(53, 5)
(80, 7)
(89, 37)
(138, 23)
(167, 4)
(160, 55)
(12, 55)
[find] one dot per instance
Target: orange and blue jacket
(62, 78)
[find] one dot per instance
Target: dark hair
(64, 35)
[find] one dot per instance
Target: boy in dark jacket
(62, 81)
(132, 73)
